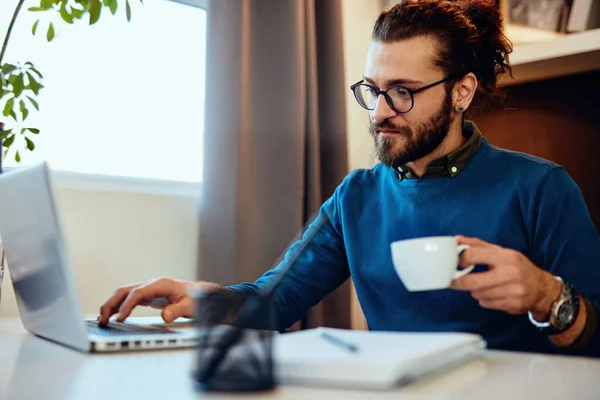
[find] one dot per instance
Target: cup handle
(466, 270)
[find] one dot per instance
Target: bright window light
(120, 99)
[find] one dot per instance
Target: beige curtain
(275, 137)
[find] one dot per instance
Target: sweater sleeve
(566, 243)
(316, 265)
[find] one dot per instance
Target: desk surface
(32, 368)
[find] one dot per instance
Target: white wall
(116, 238)
(358, 19)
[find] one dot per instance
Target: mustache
(375, 127)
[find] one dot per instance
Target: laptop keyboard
(121, 328)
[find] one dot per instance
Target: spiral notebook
(368, 359)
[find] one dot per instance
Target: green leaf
(8, 141)
(127, 10)
(5, 133)
(35, 86)
(37, 72)
(8, 107)
(77, 13)
(30, 144)
(18, 85)
(8, 69)
(113, 6)
(17, 157)
(34, 103)
(35, 9)
(65, 15)
(46, 4)
(31, 78)
(24, 110)
(95, 10)
(35, 131)
(13, 114)
(50, 34)
(35, 25)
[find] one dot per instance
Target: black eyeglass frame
(388, 99)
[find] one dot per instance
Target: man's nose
(382, 110)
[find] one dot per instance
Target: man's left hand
(512, 284)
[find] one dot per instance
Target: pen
(340, 343)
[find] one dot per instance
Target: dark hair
(469, 32)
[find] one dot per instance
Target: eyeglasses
(400, 98)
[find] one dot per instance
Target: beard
(418, 142)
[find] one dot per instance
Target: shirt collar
(453, 163)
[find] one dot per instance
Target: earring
(460, 109)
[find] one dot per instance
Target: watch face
(565, 314)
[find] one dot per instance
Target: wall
(358, 18)
(118, 237)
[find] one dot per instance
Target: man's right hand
(174, 297)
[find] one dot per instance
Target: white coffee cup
(428, 263)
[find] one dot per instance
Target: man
(524, 218)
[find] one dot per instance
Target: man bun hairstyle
(469, 33)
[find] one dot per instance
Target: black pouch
(232, 357)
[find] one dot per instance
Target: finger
(498, 304)
(155, 302)
(491, 256)
(141, 294)
(505, 304)
(480, 281)
(111, 306)
(183, 308)
(473, 241)
(499, 292)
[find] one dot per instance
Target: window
(120, 99)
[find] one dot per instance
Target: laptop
(43, 279)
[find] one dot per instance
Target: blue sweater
(507, 198)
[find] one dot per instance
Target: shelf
(551, 55)
(520, 35)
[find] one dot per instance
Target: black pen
(340, 343)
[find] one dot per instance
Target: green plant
(21, 82)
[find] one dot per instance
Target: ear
(463, 92)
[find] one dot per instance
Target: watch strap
(549, 328)
(537, 323)
(546, 324)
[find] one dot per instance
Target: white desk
(32, 368)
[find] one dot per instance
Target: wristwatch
(563, 313)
